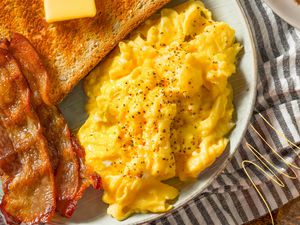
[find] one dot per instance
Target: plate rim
(251, 100)
(222, 167)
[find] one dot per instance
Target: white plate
(92, 211)
(288, 10)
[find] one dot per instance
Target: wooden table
(287, 215)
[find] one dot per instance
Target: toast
(71, 49)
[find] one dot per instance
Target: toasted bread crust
(71, 49)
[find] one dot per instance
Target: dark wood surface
(287, 215)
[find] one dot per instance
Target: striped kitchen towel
(231, 199)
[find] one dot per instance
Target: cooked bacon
(26, 172)
(66, 164)
(4, 44)
(67, 207)
(9, 161)
(70, 174)
(29, 59)
(87, 175)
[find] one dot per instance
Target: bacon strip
(26, 172)
(71, 175)
(87, 178)
(66, 164)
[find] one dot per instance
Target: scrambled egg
(159, 107)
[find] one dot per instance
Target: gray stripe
(224, 204)
(220, 215)
(244, 151)
(263, 147)
(234, 163)
(164, 221)
(262, 90)
(177, 218)
(281, 33)
(283, 126)
(287, 75)
(269, 28)
(222, 200)
(277, 84)
(190, 215)
(289, 135)
(265, 85)
(256, 30)
(203, 211)
(274, 48)
(262, 203)
(278, 145)
(235, 199)
(294, 35)
(290, 111)
(251, 203)
(274, 193)
(286, 190)
(297, 183)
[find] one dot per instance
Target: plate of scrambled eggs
(165, 111)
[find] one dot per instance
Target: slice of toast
(71, 49)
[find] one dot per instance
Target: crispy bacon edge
(25, 53)
(17, 77)
(88, 177)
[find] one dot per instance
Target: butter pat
(59, 10)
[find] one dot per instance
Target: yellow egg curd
(159, 107)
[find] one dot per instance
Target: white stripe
(270, 199)
(233, 209)
(282, 80)
(211, 211)
(294, 131)
(291, 41)
(249, 17)
(291, 186)
(214, 185)
(225, 213)
(272, 21)
(286, 34)
(258, 141)
(260, 92)
(229, 167)
(264, 126)
(238, 157)
(258, 203)
(247, 208)
(281, 194)
(184, 216)
(242, 181)
(297, 114)
(171, 219)
(245, 152)
(271, 85)
(275, 30)
(197, 213)
(263, 29)
(276, 124)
